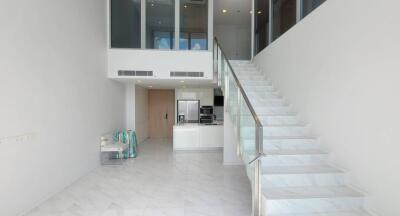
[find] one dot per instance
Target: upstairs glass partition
(261, 31)
(309, 5)
(272, 18)
(125, 23)
(193, 25)
(151, 24)
(284, 16)
(160, 24)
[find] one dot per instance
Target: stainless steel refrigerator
(189, 109)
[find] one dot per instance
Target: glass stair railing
(248, 127)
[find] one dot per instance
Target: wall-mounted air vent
(134, 73)
(186, 74)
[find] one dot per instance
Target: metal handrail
(258, 132)
(259, 125)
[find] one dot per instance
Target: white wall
(53, 88)
(340, 69)
(161, 62)
(235, 40)
(141, 113)
(130, 104)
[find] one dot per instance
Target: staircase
(295, 175)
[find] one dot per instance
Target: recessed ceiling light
(224, 11)
(259, 12)
(251, 12)
(185, 6)
(152, 4)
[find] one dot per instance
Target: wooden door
(161, 113)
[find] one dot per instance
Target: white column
(210, 24)
(177, 23)
(130, 106)
(252, 28)
(143, 24)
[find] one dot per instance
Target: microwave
(206, 110)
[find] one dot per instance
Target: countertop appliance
(206, 114)
(189, 109)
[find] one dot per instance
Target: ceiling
(168, 83)
(238, 12)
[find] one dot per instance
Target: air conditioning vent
(186, 74)
(134, 73)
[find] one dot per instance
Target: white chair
(108, 148)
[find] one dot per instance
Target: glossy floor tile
(157, 183)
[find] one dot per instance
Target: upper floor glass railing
(248, 128)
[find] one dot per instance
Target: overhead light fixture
(259, 12)
(224, 11)
(251, 12)
(185, 6)
(152, 4)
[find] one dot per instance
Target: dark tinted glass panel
(193, 25)
(284, 16)
(261, 21)
(160, 24)
(125, 24)
(310, 5)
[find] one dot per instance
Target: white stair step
(255, 82)
(302, 200)
(285, 130)
(290, 143)
(274, 130)
(302, 176)
(268, 102)
(264, 95)
(273, 110)
(354, 213)
(247, 77)
(294, 157)
(282, 119)
(263, 88)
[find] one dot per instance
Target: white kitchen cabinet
(211, 136)
(198, 137)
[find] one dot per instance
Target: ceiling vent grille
(186, 74)
(134, 73)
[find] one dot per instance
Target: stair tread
(309, 192)
(327, 214)
(294, 152)
(287, 137)
(299, 170)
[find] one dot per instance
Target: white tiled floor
(157, 183)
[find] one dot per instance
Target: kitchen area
(199, 123)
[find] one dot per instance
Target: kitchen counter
(195, 136)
